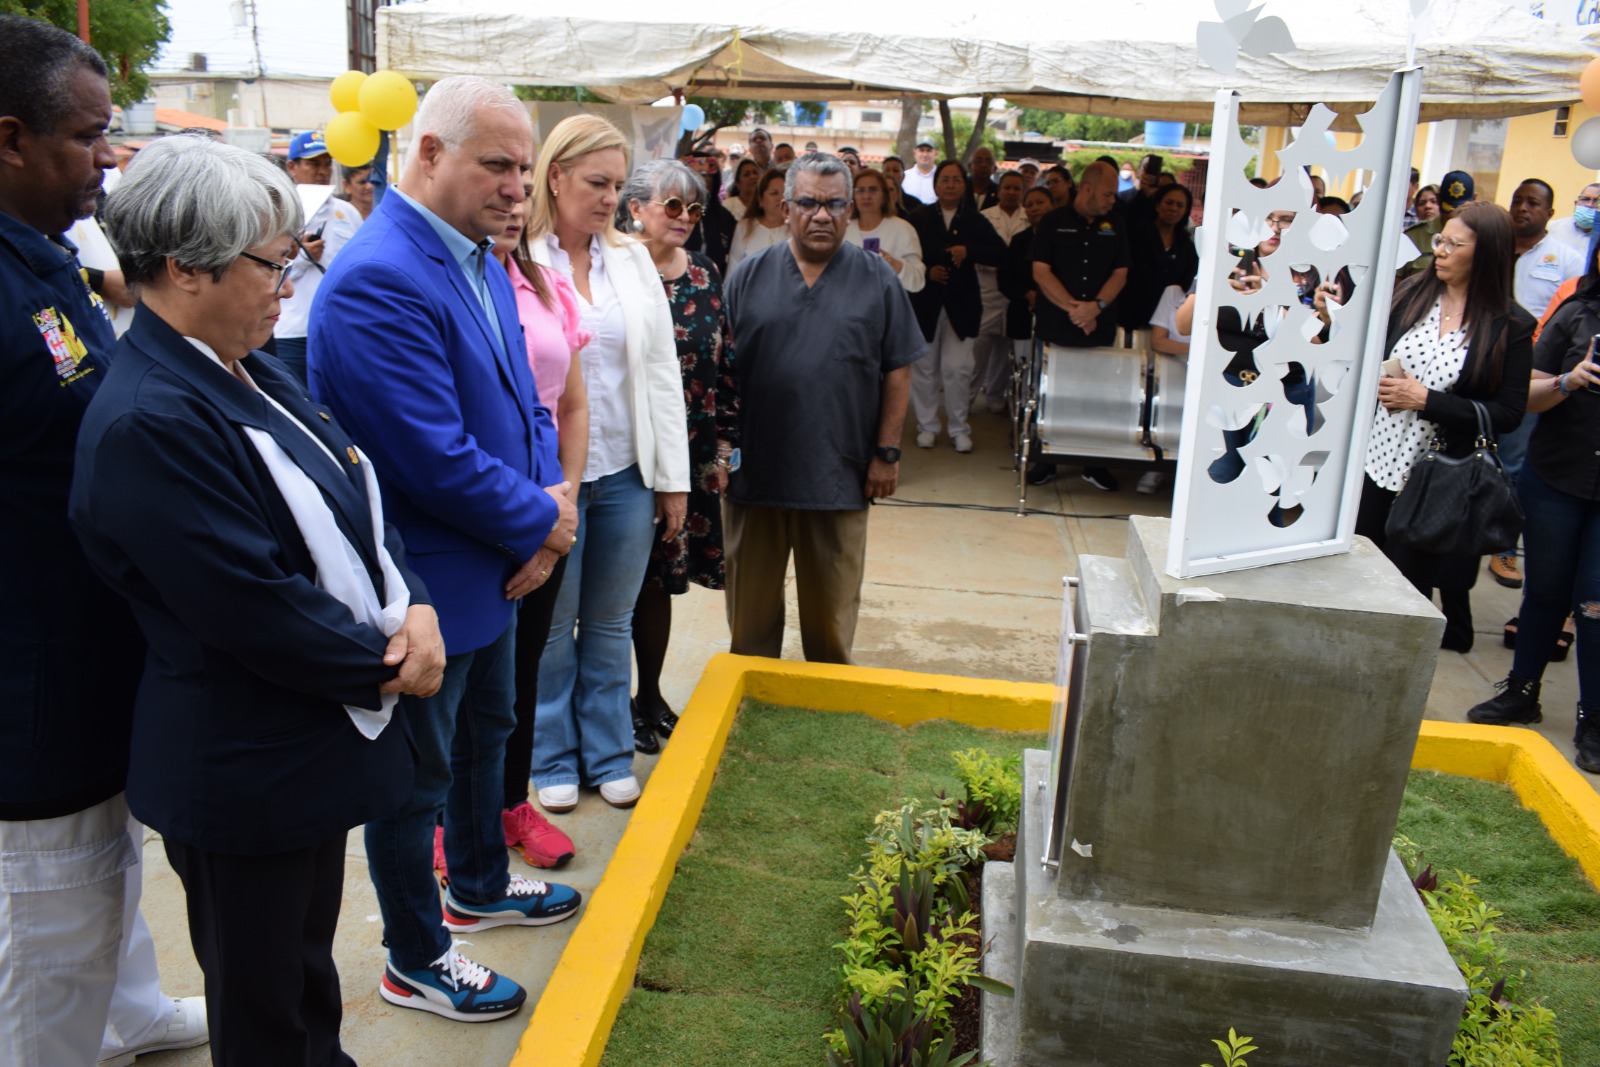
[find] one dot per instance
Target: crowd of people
(371, 509)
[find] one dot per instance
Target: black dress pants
(534, 615)
(262, 929)
(1452, 576)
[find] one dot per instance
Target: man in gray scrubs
(823, 341)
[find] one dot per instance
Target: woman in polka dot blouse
(1459, 337)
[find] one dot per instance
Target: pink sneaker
(531, 834)
(438, 855)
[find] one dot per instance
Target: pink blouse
(552, 336)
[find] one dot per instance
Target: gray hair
(37, 62)
(660, 178)
(451, 109)
(819, 163)
(199, 202)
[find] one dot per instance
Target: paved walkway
(948, 590)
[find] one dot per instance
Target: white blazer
(654, 379)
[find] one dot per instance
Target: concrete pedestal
(1123, 985)
(1232, 769)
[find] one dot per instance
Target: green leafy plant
(892, 1034)
(994, 790)
(1494, 1031)
(1233, 1050)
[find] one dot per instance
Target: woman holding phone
(1559, 487)
(875, 228)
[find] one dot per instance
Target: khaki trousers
(830, 550)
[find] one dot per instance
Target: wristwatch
(887, 453)
(1101, 304)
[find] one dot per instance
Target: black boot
(1517, 703)
(1587, 738)
(644, 737)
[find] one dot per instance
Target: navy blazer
(960, 297)
(241, 743)
(400, 350)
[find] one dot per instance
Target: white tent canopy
(1132, 58)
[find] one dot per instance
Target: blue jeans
(583, 733)
(460, 734)
(1513, 446)
(1562, 536)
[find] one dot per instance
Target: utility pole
(83, 21)
(244, 11)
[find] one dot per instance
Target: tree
(126, 33)
(912, 107)
(722, 112)
(963, 129)
(1088, 127)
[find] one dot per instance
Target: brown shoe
(1504, 569)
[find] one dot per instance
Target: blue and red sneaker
(526, 903)
(453, 986)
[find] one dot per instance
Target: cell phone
(1392, 368)
(1247, 264)
(318, 235)
(870, 244)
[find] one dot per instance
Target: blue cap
(1455, 189)
(306, 145)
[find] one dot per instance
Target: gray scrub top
(809, 364)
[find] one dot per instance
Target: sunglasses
(674, 207)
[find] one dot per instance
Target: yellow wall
(1533, 151)
(1274, 138)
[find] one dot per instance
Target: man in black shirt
(1080, 263)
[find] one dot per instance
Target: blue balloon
(693, 116)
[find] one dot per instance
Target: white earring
(638, 226)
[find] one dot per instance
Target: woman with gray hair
(246, 531)
(660, 205)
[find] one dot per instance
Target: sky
(297, 36)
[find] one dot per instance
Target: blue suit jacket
(400, 350)
(241, 743)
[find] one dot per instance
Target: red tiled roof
(171, 116)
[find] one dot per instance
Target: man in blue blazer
(416, 346)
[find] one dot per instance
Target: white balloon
(1586, 144)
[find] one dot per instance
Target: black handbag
(1458, 507)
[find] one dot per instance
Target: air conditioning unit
(197, 61)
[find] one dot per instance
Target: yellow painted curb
(573, 1019)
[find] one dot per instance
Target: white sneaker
(1150, 482)
(186, 1029)
(622, 793)
(558, 797)
(925, 440)
(963, 442)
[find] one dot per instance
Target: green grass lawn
(1551, 925)
(739, 967)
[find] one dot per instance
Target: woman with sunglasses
(892, 238)
(636, 470)
(763, 225)
(1460, 338)
(659, 206)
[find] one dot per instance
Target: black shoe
(644, 735)
(1100, 478)
(1517, 703)
(664, 720)
(1042, 473)
(1587, 738)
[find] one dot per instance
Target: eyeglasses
(1588, 201)
(674, 206)
(1448, 246)
(281, 268)
(1281, 221)
(808, 207)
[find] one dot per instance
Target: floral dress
(704, 348)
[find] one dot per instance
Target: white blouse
(605, 367)
(1399, 438)
(898, 238)
(735, 208)
(750, 237)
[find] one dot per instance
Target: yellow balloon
(346, 89)
(351, 139)
(387, 100)
(1589, 85)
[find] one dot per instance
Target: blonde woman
(636, 471)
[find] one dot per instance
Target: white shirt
(1007, 226)
(339, 221)
(918, 184)
(898, 238)
(236, 370)
(1166, 313)
(605, 366)
(735, 208)
(1399, 438)
(1566, 231)
(750, 238)
(1541, 270)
